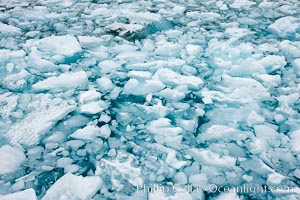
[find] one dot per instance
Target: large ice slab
(46, 111)
(56, 48)
(169, 77)
(136, 87)
(74, 187)
(28, 194)
(11, 159)
(285, 27)
(62, 82)
(7, 30)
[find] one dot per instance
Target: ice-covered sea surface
(177, 99)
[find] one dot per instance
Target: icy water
(177, 100)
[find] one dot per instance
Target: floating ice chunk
(164, 132)
(180, 178)
(9, 30)
(247, 87)
(75, 121)
(193, 50)
(264, 132)
(296, 66)
(173, 34)
(295, 140)
(8, 104)
(120, 171)
(135, 56)
(63, 82)
(181, 194)
(168, 49)
(158, 195)
(169, 77)
(291, 49)
(189, 125)
(136, 87)
(46, 112)
(285, 27)
(11, 158)
(74, 187)
(227, 196)
(9, 55)
(204, 16)
(172, 94)
(124, 48)
(198, 180)
(89, 41)
(108, 66)
(16, 81)
(272, 62)
(219, 59)
(254, 118)
(286, 102)
(268, 5)
(149, 45)
(28, 194)
(223, 133)
(104, 118)
(105, 84)
(140, 75)
(275, 178)
(63, 162)
(72, 168)
(237, 32)
(124, 30)
(244, 4)
(161, 193)
(210, 158)
(269, 80)
(249, 66)
(38, 63)
(57, 48)
(258, 146)
(98, 53)
(105, 131)
(94, 107)
(89, 96)
(143, 17)
(89, 132)
(100, 11)
(172, 63)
